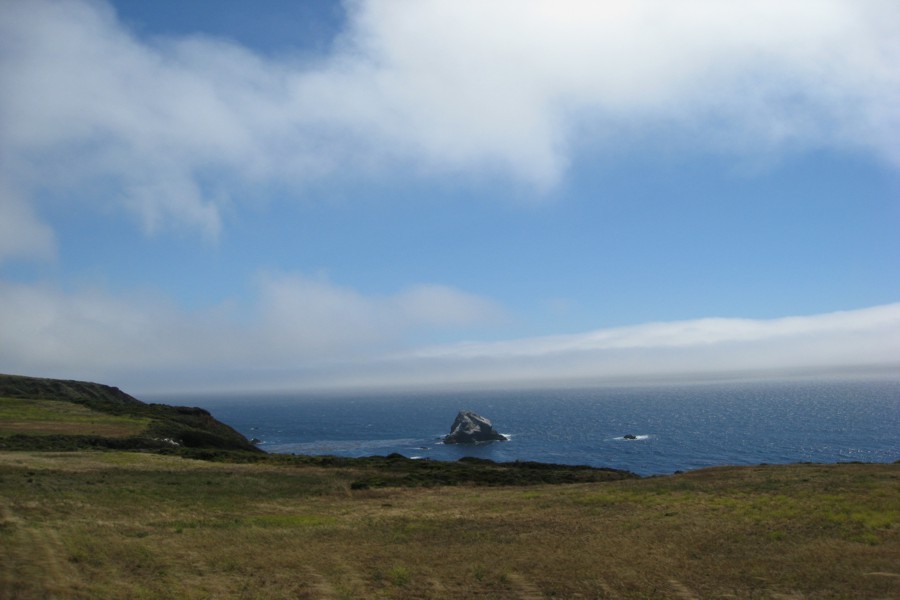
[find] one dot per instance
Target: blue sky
(215, 195)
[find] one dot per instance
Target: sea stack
(472, 428)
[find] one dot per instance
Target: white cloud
(22, 234)
(309, 332)
(703, 347)
(297, 323)
(46, 329)
(506, 85)
(692, 334)
(175, 129)
(313, 318)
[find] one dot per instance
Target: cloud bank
(174, 130)
(310, 333)
(294, 320)
(699, 347)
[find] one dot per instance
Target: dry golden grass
(129, 525)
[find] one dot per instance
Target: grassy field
(111, 524)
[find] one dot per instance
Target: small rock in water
(630, 436)
(471, 428)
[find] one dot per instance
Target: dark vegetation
(397, 470)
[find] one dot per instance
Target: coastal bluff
(57, 414)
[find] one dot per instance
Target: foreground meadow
(96, 524)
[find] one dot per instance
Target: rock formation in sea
(471, 428)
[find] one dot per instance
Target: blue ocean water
(679, 427)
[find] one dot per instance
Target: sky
(222, 195)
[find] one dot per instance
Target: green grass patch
(55, 417)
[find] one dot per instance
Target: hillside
(54, 414)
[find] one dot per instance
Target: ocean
(677, 427)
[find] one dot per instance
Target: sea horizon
(678, 426)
